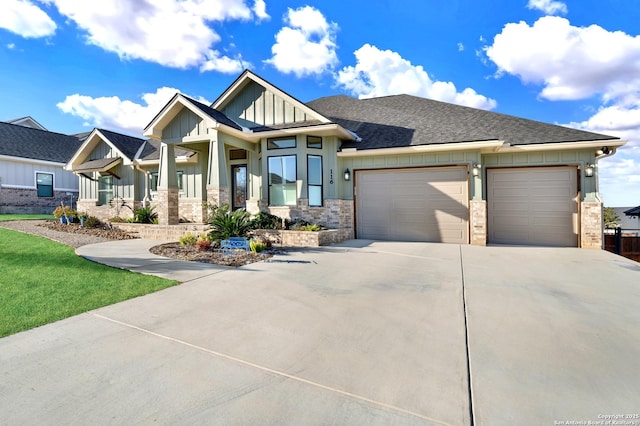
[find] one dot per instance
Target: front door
(239, 186)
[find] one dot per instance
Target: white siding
(20, 174)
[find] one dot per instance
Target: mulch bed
(234, 258)
(104, 231)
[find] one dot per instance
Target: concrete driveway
(368, 333)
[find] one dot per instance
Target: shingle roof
(151, 151)
(26, 142)
(100, 164)
(404, 120)
(214, 113)
(128, 145)
(633, 212)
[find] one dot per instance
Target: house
(392, 168)
(32, 175)
(629, 217)
(118, 174)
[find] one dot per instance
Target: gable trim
(168, 113)
(90, 143)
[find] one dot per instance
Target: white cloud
(172, 33)
(460, 47)
(619, 175)
(25, 19)
(11, 46)
(570, 62)
(307, 45)
(550, 7)
(260, 9)
(383, 72)
(113, 113)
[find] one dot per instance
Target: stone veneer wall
(334, 214)
(305, 238)
(478, 225)
(26, 201)
(218, 196)
(108, 211)
(591, 225)
(162, 232)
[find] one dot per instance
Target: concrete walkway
(367, 333)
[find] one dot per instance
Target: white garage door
(413, 204)
(533, 206)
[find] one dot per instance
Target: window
(314, 142)
(281, 143)
(44, 184)
(105, 190)
(153, 184)
(314, 180)
(179, 176)
(282, 181)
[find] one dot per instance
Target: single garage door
(413, 204)
(533, 206)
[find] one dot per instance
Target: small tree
(611, 219)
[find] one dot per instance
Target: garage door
(413, 204)
(533, 206)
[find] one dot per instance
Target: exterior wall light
(588, 170)
(347, 175)
(476, 169)
(603, 151)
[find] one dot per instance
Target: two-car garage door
(415, 204)
(533, 206)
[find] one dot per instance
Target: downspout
(600, 157)
(147, 190)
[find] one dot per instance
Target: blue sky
(73, 64)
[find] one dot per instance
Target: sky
(77, 64)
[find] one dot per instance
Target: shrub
(265, 220)
(203, 244)
(188, 239)
(92, 222)
(303, 225)
(225, 223)
(118, 219)
(257, 246)
(65, 211)
(146, 215)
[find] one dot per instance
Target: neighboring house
(119, 173)
(392, 168)
(32, 178)
(629, 217)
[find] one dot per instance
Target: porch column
(217, 180)
(167, 187)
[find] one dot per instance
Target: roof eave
(557, 146)
(482, 146)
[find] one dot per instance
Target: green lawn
(24, 216)
(42, 281)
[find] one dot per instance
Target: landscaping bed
(232, 258)
(103, 232)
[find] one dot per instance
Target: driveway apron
(371, 335)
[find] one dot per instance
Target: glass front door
(239, 190)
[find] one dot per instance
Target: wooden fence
(625, 242)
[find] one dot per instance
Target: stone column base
(168, 213)
(478, 222)
(591, 225)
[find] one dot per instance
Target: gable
(102, 150)
(185, 123)
(257, 106)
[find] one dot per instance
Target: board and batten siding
(22, 174)
(257, 105)
(401, 161)
(185, 123)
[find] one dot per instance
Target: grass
(42, 281)
(4, 217)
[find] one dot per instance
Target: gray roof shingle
(128, 145)
(404, 120)
(214, 113)
(26, 142)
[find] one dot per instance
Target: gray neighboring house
(629, 217)
(32, 175)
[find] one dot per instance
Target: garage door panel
(413, 204)
(532, 206)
